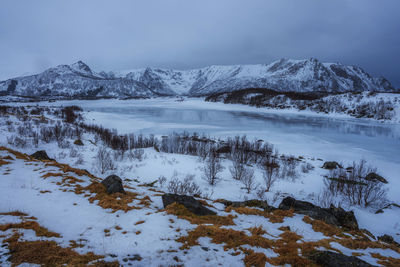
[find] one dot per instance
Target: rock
(113, 184)
(249, 203)
(41, 155)
(345, 218)
(78, 142)
(389, 206)
(375, 178)
(388, 239)
(333, 259)
(333, 215)
(189, 202)
(331, 165)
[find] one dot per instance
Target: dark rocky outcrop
(375, 178)
(331, 165)
(188, 202)
(262, 204)
(332, 215)
(78, 142)
(41, 155)
(333, 259)
(388, 239)
(113, 184)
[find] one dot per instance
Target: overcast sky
(119, 35)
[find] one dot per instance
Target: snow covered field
(312, 138)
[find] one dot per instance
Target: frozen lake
(338, 138)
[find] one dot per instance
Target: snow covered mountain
(78, 80)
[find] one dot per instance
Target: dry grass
(230, 238)
(386, 261)
(46, 253)
(254, 259)
(3, 162)
(257, 230)
(139, 222)
(14, 213)
(115, 202)
(276, 216)
(17, 154)
(66, 168)
(32, 225)
(181, 212)
(322, 227)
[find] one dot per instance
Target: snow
(75, 218)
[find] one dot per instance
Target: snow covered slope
(78, 80)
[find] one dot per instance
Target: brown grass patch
(3, 162)
(254, 259)
(230, 238)
(386, 261)
(323, 227)
(32, 225)
(46, 253)
(181, 212)
(44, 191)
(115, 202)
(257, 230)
(276, 216)
(14, 213)
(139, 222)
(138, 232)
(145, 201)
(17, 154)
(8, 157)
(66, 168)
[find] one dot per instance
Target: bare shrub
(161, 180)
(103, 160)
(248, 179)
(237, 169)
(306, 167)
(212, 168)
(80, 160)
(73, 153)
(136, 154)
(260, 191)
(185, 187)
(270, 169)
(17, 141)
(351, 185)
(288, 167)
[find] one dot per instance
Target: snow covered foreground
(136, 229)
(145, 235)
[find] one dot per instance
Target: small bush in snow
(270, 169)
(248, 179)
(212, 167)
(306, 167)
(161, 180)
(104, 161)
(185, 187)
(351, 185)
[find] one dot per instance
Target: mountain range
(285, 75)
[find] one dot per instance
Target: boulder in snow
(333, 259)
(41, 155)
(189, 202)
(113, 184)
(333, 215)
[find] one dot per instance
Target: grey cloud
(182, 34)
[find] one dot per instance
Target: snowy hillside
(78, 80)
(56, 212)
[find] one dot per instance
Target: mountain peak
(81, 66)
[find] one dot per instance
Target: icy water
(293, 132)
(338, 138)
